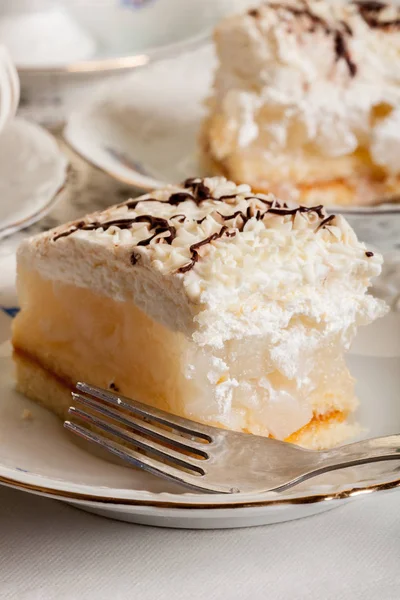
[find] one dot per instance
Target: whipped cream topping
(216, 261)
(320, 75)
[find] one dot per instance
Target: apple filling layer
(76, 334)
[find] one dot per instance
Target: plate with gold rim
(38, 456)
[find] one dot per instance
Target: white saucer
(144, 129)
(32, 172)
(37, 455)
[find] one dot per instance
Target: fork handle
(366, 451)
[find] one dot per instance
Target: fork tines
(146, 437)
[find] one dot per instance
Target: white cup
(135, 26)
(41, 33)
(9, 88)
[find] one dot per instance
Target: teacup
(134, 26)
(41, 33)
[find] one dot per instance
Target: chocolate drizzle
(245, 217)
(227, 197)
(134, 258)
(74, 228)
(370, 11)
(238, 213)
(160, 225)
(282, 211)
(199, 192)
(173, 200)
(194, 247)
(132, 204)
(371, 6)
(326, 221)
(157, 223)
(305, 12)
(339, 31)
(263, 200)
(342, 52)
(346, 28)
(179, 197)
(181, 218)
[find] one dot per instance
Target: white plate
(37, 455)
(32, 172)
(144, 129)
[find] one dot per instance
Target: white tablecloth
(51, 551)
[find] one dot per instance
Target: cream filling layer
(81, 335)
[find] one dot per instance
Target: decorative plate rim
(122, 62)
(142, 182)
(349, 493)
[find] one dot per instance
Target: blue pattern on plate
(135, 3)
(126, 161)
(11, 311)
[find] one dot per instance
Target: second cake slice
(306, 101)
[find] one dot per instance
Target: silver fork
(208, 458)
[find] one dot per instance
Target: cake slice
(205, 300)
(306, 101)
